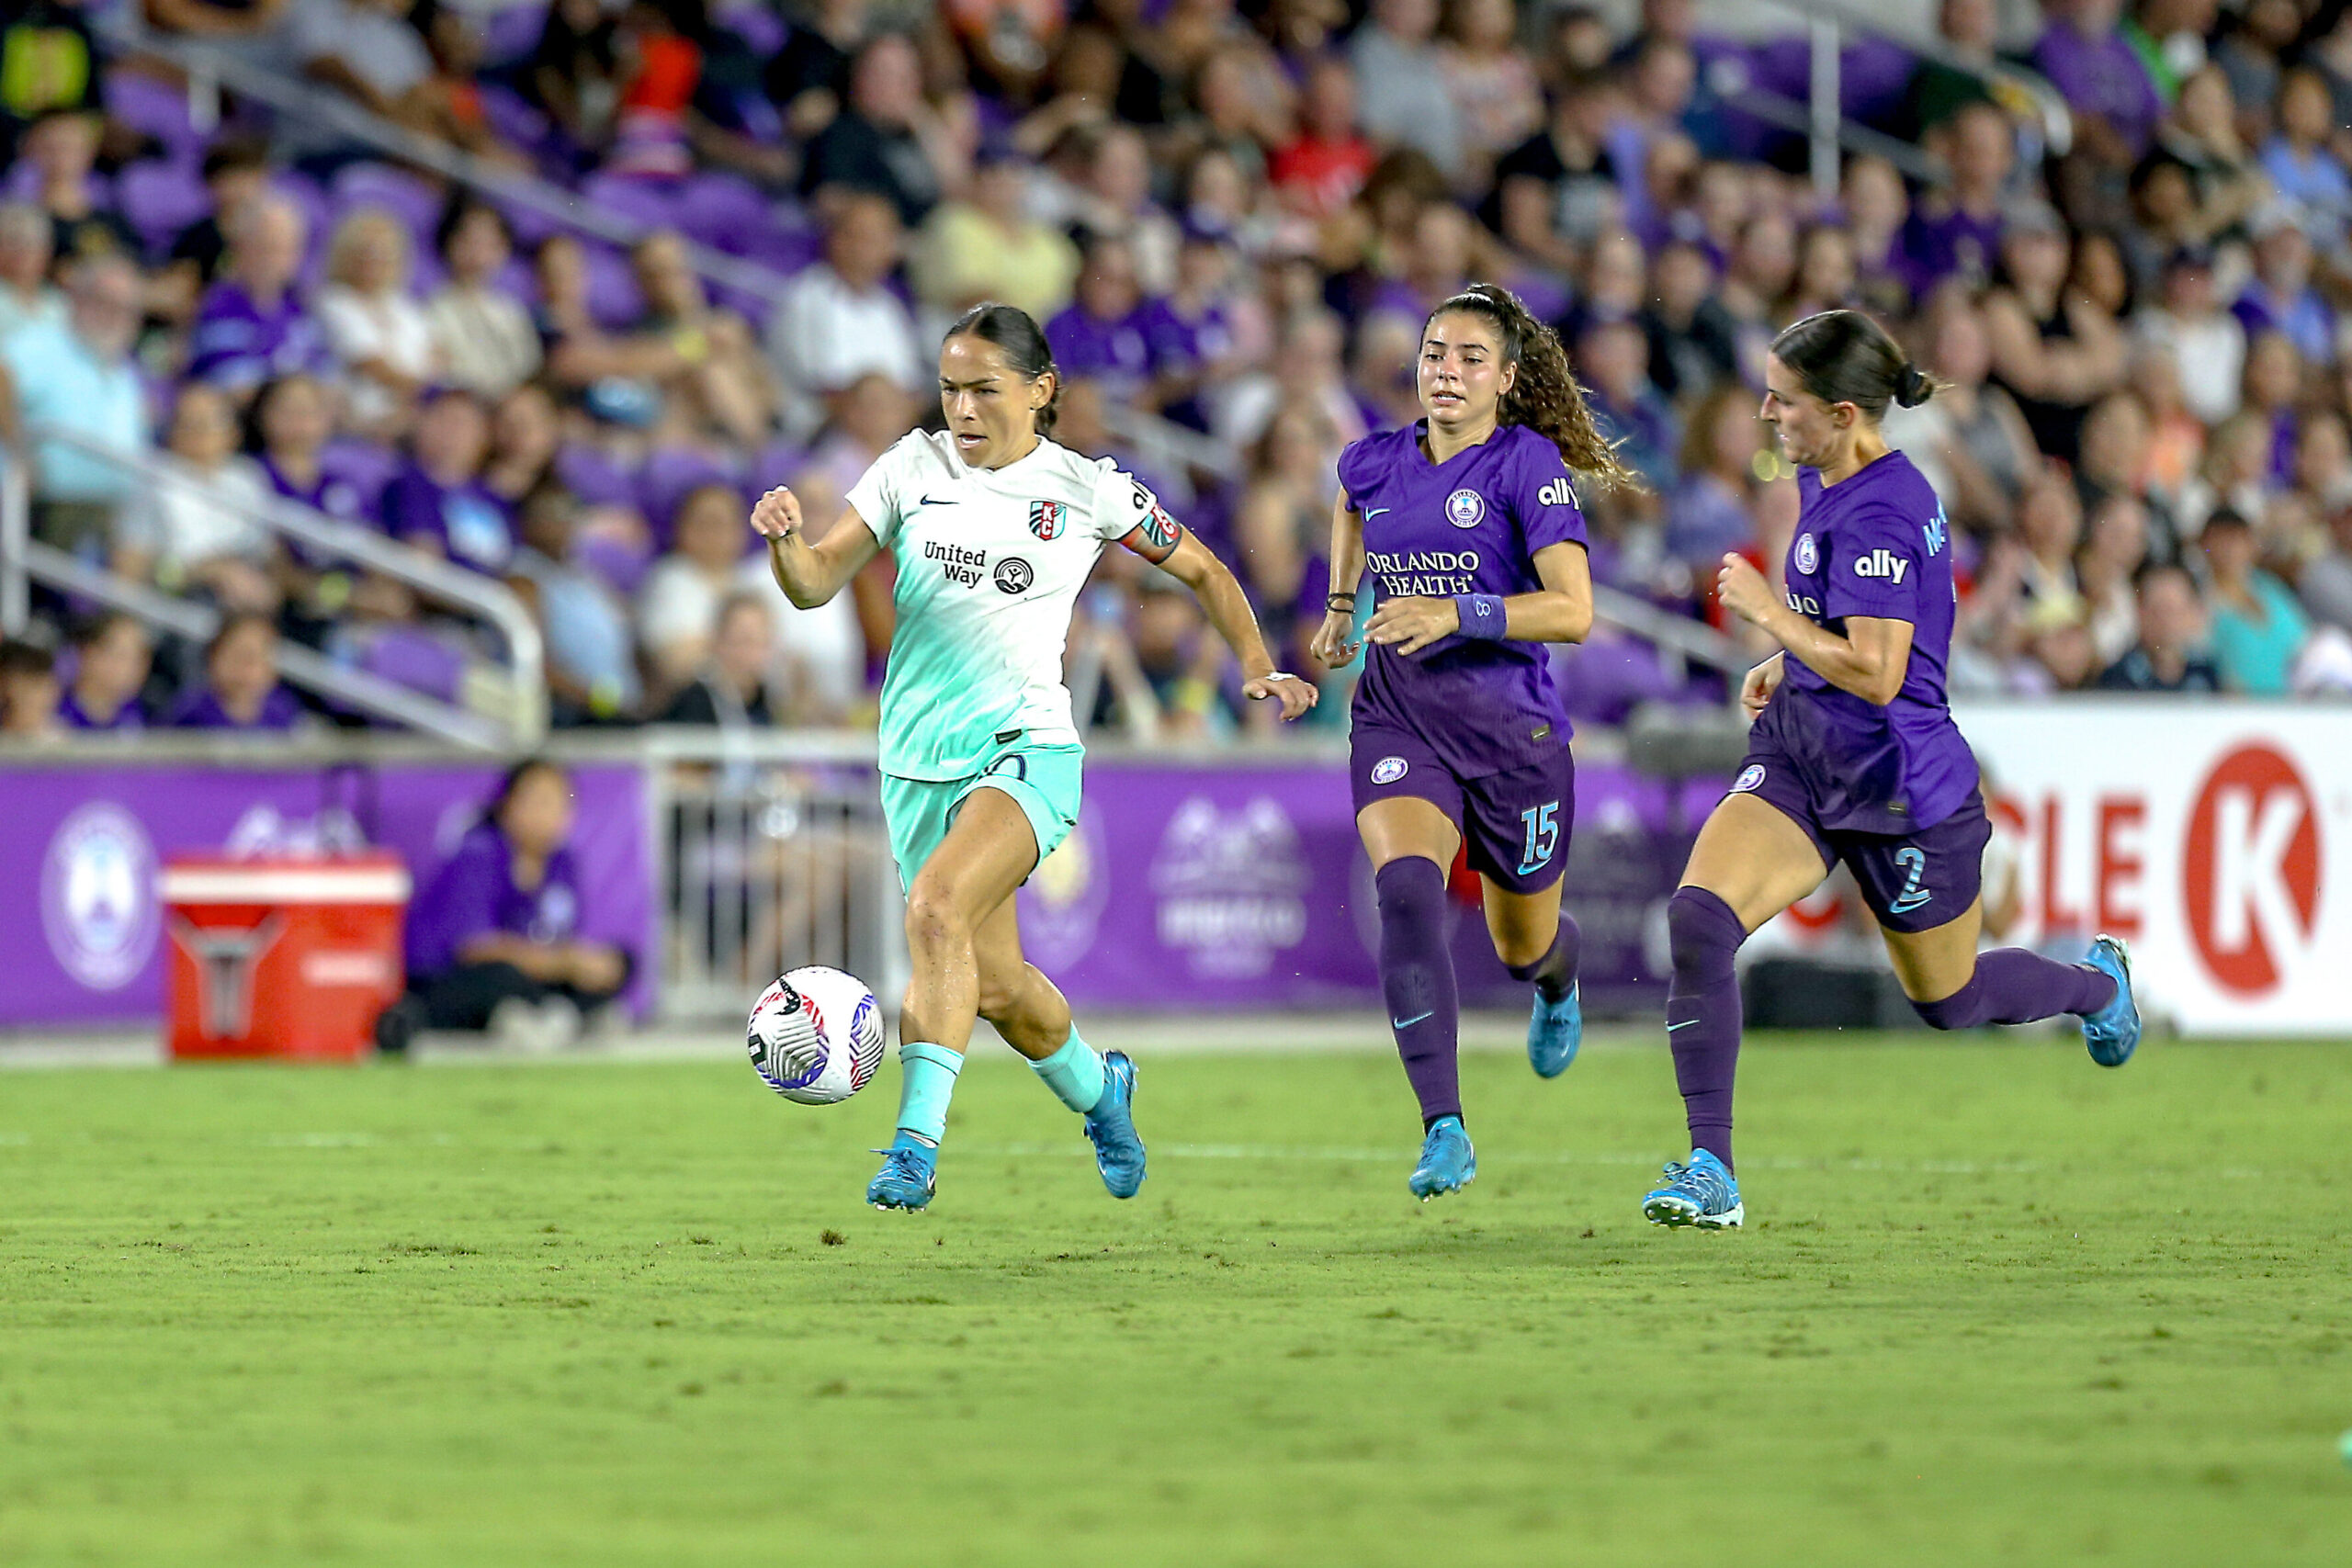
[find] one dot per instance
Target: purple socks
(2013, 986)
(1703, 1013)
(1557, 970)
(1417, 977)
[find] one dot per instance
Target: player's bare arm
(1870, 661)
(1227, 608)
(1756, 690)
(1560, 612)
(1333, 646)
(810, 574)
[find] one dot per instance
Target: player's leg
(1411, 842)
(1517, 826)
(1753, 859)
(1034, 1016)
(972, 851)
(1910, 882)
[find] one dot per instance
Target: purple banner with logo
(80, 846)
(1245, 886)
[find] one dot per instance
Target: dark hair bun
(1913, 386)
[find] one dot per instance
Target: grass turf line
(1993, 1306)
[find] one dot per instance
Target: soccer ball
(816, 1035)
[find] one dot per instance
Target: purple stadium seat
(416, 658)
(364, 467)
(513, 32)
(159, 198)
(613, 297)
(1604, 680)
(778, 463)
(716, 208)
(595, 477)
(649, 203)
(755, 23)
(1874, 77)
(620, 564)
(672, 473)
(416, 204)
(514, 120)
(154, 109)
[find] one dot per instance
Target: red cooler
(281, 957)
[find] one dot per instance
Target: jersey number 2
(1915, 860)
(1543, 824)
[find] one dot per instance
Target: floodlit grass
(1995, 1305)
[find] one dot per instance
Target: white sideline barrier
(2215, 837)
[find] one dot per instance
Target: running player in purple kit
(1853, 757)
(1469, 524)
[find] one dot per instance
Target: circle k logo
(2251, 868)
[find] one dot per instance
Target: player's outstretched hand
(1297, 695)
(1411, 624)
(1332, 646)
(777, 515)
(1756, 690)
(1741, 589)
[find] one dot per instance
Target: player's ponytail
(1025, 349)
(1843, 356)
(1545, 397)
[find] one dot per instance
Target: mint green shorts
(1047, 782)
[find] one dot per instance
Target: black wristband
(1331, 602)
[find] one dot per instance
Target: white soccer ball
(816, 1035)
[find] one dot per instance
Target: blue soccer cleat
(1702, 1193)
(1448, 1162)
(1111, 1127)
(908, 1175)
(1555, 1032)
(2112, 1034)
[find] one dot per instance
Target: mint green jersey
(990, 563)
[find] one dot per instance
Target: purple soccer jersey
(474, 895)
(469, 523)
(74, 716)
(280, 710)
(1873, 545)
(1470, 526)
(235, 342)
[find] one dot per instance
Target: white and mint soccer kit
(990, 563)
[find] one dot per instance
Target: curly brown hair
(1545, 396)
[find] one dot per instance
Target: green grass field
(1994, 1306)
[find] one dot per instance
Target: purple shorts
(1913, 881)
(1516, 823)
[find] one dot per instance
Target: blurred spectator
(988, 247)
(235, 171)
(1970, 29)
(366, 50)
(888, 141)
(2258, 627)
(725, 391)
(112, 659)
(26, 294)
(840, 319)
(493, 936)
(2056, 353)
(2207, 341)
(657, 46)
(1558, 188)
(373, 326)
(808, 79)
(1402, 85)
(1181, 662)
(2304, 170)
(485, 339)
(1876, 210)
(1691, 341)
(2273, 391)
(2201, 135)
(574, 72)
(2323, 462)
(729, 690)
(196, 534)
(1306, 371)
(62, 146)
(221, 21)
(2171, 653)
(592, 666)
(1320, 169)
(48, 59)
(2115, 102)
(525, 434)
(2236, 474)
(438, 503)
(241, 689)
(2176, 439)
(2114, 549)
(677, 605)
(2281, 296)
(1955, 230)
(251, 325)
(2326, 583)
(618, 378)
(1283, 523)
(1969, 439)
(1610, 358)
(1115, 202)
(2050, 524)
(1491, 82)
(78, 378)
(292, 418)
(1102, 334)
(1707, 515)
(27, 694)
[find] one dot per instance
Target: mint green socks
(1074, 1073)
(929, 1082)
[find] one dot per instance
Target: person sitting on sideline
(494, 937)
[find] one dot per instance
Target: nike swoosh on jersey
(1373, 511)
(934, 501)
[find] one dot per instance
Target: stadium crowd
(1232, 216)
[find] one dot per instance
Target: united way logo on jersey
(1749, 777)
(1808, 554)
(1047, 519)
(1465, 508)
(1013, 575)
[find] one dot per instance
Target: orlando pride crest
(1048, 518)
